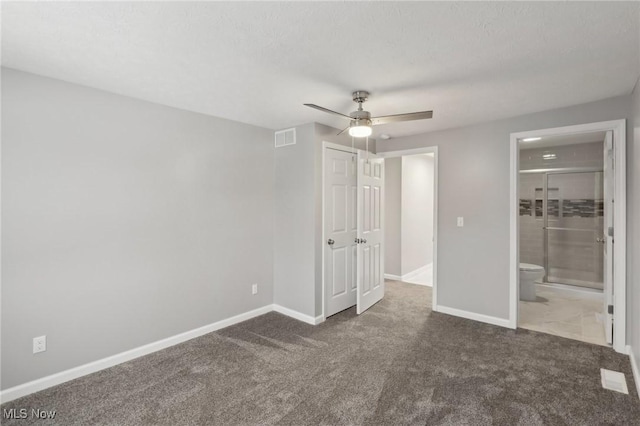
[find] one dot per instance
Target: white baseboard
(415, 283)
(64, 376)
(635, 368)
(409, 275)
(298, 315)
(416, 272)
(502, 322)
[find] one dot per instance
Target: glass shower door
(573, 228)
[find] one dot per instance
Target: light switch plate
(460, 221)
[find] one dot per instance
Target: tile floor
(566, 313)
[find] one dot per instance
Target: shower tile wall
(574, 257)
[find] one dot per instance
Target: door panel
(340, 227)
(340, 277)
(370, 259)
(340, 208)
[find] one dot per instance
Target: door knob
(330, 242)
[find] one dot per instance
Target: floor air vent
(285, 137)
(613, 380)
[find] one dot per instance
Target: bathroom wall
(574, 257)
(577, 155)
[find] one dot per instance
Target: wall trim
(298, 315)
(415, 272)
(502, 322)
(92, 367)
(634, 368)
(409, 276)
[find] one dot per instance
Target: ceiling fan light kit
(361, 120)
(360, 128)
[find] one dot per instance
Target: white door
(340, 230)
(607, 238)
(370, 261)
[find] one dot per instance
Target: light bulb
(360, 131)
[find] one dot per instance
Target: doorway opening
(409, 211)
(568, 200)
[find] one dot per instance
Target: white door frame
(620, 219)
(426, 150)
(328, 145)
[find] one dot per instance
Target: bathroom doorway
(565, 184)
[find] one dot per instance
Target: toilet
(529, 274)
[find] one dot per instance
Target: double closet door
(353, 230)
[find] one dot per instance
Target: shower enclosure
(565, 220)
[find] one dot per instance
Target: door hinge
(610, 309)
(610, 231)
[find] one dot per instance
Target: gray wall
(634, 234)
(417, 212)
(392, 215)
(473, 261)
(124, 222)
(294, 249)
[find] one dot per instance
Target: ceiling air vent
(285, 137)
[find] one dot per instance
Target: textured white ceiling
(259, 62)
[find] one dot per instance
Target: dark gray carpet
(398, 363)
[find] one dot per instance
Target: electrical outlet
(254, 289)
(39, 344)
(460, 221)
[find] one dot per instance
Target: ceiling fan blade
(401, 117)
(343, 130)
(327, 110)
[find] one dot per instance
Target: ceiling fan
(361, 121)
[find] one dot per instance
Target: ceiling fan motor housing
(360, 96)
(361, 115)
(358, 122)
